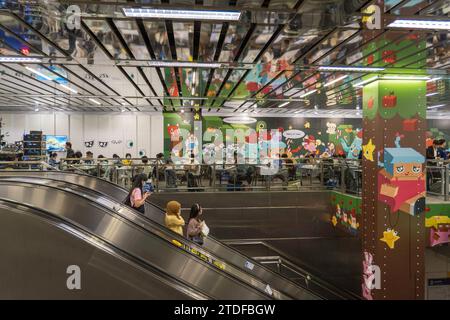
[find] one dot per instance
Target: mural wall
(298, 136)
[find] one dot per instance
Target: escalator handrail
(96, 241)
(235, 278)
(228, 247)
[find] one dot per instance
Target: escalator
(79, 216)
(38, 248)
(231, 256)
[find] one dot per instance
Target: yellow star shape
(334, 221)
(307, 125)
(389, 237)
(196, 116)
(368, 150)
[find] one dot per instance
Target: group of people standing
(196, 230)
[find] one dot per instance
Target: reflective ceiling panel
(271, 53)
(133, 38)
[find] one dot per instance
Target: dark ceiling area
(93, 56)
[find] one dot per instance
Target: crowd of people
(196, 229)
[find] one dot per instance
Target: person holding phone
(196, 229)
(137, 195)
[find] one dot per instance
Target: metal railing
(273, 175)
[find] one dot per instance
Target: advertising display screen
(55, 143)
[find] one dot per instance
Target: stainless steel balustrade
(212, 245)
(338, 174)
(149, 248)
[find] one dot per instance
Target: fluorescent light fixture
(296, 112)
(421, 24)
(434, 79)
(94, 101)
(387, 77)
(186, 14)
(20, 59)
(36, 110)
(38, 73)
(308, 93)
(176, 64)
(362, 83)
(354, 69)
(123, 110)
(432, 94)
(436, 106)
(68, 88)
(182, 110)
(335, 80)
(283, 104)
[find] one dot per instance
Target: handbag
(205, 230)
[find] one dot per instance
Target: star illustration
(368, 150)
(307, 125)
(334, 221)
(389, 237)
(197, 116)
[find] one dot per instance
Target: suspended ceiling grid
(269, 57)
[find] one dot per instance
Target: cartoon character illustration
(368, 276)
(368, 150)
(439, 236)
(353, 223)
(354, 148)
(338, 211)
(331, 128)
(390, 236)
(401, 181)
(174, 132)
(309, 143)
(191, 144)
(331, 149)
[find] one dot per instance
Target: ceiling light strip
(20, 59)
(436, 106)
(68, 88)
(38, 73)
(222, 15)
(94, 101)
(335, 80)
(420, 24)
(351, 69)
(176, 64)
(308, 93)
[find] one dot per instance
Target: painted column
(393, 196)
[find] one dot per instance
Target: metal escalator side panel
(118, 232)
(37, 251)
(129, 214)
(231, 255)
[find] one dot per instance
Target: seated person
(89, 158)
(52, 160)
(146, 168)
(127, 161)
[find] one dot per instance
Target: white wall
(144, 130)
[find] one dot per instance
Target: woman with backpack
(136, 197)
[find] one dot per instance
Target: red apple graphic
(370, 103)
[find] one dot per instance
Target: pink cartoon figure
(401, 182)
(369, 276)
(309, 143)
